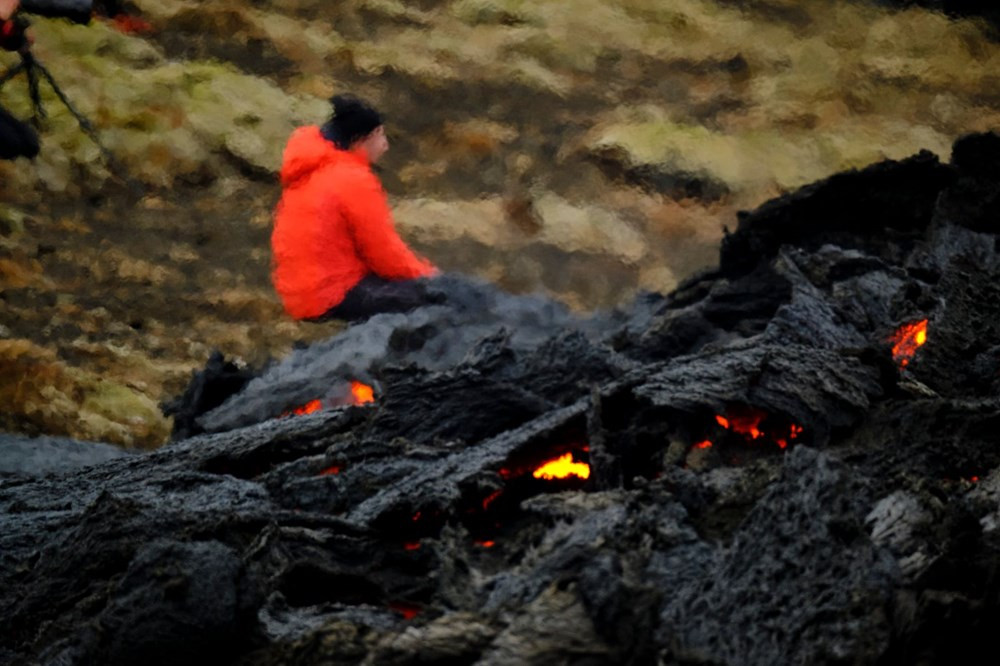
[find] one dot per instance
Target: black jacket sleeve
(74, 10)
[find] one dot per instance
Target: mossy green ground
(588, 153)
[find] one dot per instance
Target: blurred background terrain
(587, 149)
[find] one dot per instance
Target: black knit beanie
(352, 119)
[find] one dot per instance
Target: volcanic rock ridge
(790, 459)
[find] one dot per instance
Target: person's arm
(370, 221)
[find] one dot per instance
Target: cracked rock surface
(768, 482)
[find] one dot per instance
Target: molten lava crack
(906, 340)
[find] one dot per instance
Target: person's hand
(7, 8)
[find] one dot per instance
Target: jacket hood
(308, 151)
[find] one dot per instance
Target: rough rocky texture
(803, 548)
(769, 482)
(39, 455)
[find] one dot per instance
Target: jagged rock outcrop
(791, 459)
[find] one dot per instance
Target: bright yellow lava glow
(561, 468)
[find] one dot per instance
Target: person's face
(375, 144)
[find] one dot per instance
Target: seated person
(336, 253)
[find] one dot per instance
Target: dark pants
(374, 295)
(17, 139)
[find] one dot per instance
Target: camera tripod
(32, 70)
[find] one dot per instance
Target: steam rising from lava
(435, 337)
(360, 394)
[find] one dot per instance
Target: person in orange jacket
(336, 253)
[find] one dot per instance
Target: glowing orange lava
(561, 468)
(906, 340)
(362, 393)
(793, 432)
(308, 408)
(412, 545)
(747, 421)
(703, 445)
(486, 544)
(331, 470)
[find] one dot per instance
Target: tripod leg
(80, 118)
(11, 72)
(116, 167)
(35, 94)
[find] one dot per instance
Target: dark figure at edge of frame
(336, 252)
(17, 138)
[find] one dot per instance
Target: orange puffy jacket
(332, 227)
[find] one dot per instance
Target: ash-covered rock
(769, 465)
(477, 320)
(43, 455)
(801, 571)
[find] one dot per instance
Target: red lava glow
(308, 408)
(490, 498)
(130, 25)
(408, 611)
(416, 516)
(561, 468)
(329, 471)
(361, 394)
(906, 340)
(747, 422)
(486, 543)
(793, 432)
(703, 445)
(974, 479)
(412, 545)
